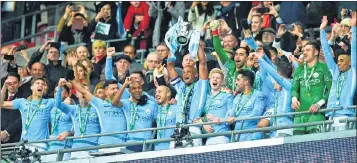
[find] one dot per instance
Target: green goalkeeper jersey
(311, 84)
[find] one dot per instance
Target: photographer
(8, 60)
(75, 28)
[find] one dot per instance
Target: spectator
(162, 51)
(130, 51)
(137, 21)
(11, 120)
(243, 108)
(199, 14)
(230, 42)
(98, 60)
(82, 52)
(232, 14)
(164, 18)
(5, 64)
(344, 85)
(74, 28)
(315, 83)
(152, 60)
(54, 69)
(104, 26)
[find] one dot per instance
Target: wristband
(215, 32)
(321, 102)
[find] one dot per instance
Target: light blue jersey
(345, 82)
(60, 122)
(260, 76)
(109, 76)
(251, 105)
(199, 95)
(92, 124)
(38, 115)
(145, 116)
(112, 119)
(219, 106)
(166, 117)
(282, 99)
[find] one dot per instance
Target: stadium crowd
(253, 59)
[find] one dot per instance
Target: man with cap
(343, 74)
(53, 70)
(268, 36)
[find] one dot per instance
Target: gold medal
(181, 115)
(338, 103)
(25, 132)
(82, 136)
(51, 136)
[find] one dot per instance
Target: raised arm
(5, 104)
(171, 68)
(218, 47)
(87, 95)
(202, 63)
(326, 47)
(36, 56)
(354, 40)
(116, 100)
(58, 98)
(108, 64)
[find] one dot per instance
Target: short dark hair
(130, 46)
(314, 43)
(108, 82)
(247, 50)
(249, 75)
(65, 87)
(162, 44)
(284, 66)
(14, 75)
(138, 72)
(43, 65)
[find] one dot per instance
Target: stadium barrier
(326, 128)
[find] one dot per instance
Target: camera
(263, 10)
(289, 27)
(244, 23)
(9, 57)
(21, 47)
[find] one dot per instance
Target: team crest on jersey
(148, 111)
(316, 75)
(42, 106)
(249, 102)
(63, 114)
(93, 115)
(169, 113)
(218, 102)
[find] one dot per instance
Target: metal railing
(326, 127)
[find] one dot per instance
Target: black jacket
(67, 35)
(235, 15)
(11, 121)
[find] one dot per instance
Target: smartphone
(289, 27)
(69, 75)
(244, 23)
(9, 57)
(77, 24)
(263, 10)
(21, 47)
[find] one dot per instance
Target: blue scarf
(224, 10)
(121, 31)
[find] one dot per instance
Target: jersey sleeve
(274, 74)
(259, 105)
(108, 70)
(353, 48)
(16, 104)
(65, 108)
(327, 51)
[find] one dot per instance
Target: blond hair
(216, 70)
(99, 44)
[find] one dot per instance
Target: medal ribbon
(162, 124)
(239, 107)
(83, 128)
(307, 84)
(55, 122)
(340, 84)
(133, 112)
(29, 119)
(276, 107)
(185, 99)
